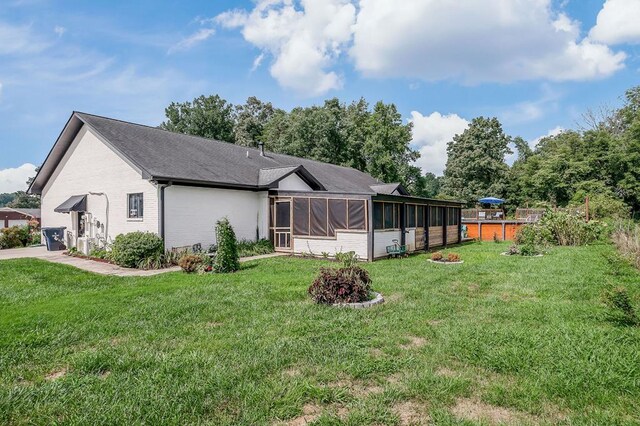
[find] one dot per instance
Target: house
(17, 216)
(105, 177)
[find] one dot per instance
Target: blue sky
(535, 64)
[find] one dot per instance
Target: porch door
(282, 226)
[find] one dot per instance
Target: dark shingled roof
(164, 155)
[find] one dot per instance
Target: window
(357, 214)
(452, 216)
(301, 216)
(283, 214)
(386, 215)
(420, 216)
(135, 206)
(436, 216)
(411, 215)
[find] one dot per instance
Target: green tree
(251, 119)
(432, 185)
(206, 116)
(6, 198)
(387, 152)
(475, 164)
(25, 201)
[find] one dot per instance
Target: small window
(135, 206)
(389, 213)
(378, 216)
(436, 216)
(411, 216)
(420, 216)
(452, 216)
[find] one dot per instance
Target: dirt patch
(377, 353)
(434, 322)
(292, 372)
(357, 388)
(411, 413)
(310, 412)
(446, 372)
(414, 342)
(477, 411)
(394, 379)
(213, 324)
(473, 287)
(104, 374)
(56, 374)
(394, 297)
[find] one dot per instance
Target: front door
(282, 226)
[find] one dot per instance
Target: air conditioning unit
(84, 245)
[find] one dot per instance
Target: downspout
(162, 211)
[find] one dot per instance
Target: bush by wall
(190, 263)
(254, 248)
(227, 258)
(342, 285)
(14, 236)
(138, 249)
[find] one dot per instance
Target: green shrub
(620, 303)
(254, 248)
(342, 285)
(563, 229)
(528, 250)
(138, 249)
(347, 259)
(99, 253)
(190, 263)
(35, 238)
(14, 236)
(513, 250)
(227, 258)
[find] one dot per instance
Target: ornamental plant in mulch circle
(348, 284)
(227, 258)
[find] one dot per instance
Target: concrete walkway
(97, 267)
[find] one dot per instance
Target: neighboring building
(17, 217)
(104, 177)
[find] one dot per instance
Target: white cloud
(15, 179)
(476, 41)
(59, 30)
(618, 22)
(195, 38)
(553, 132)
(19, 39)
(531, 110)
(257, 62)
(431, 134)
(304, 40)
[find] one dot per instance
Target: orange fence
(487, 231)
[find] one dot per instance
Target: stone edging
(507, 254)
(369, 303)
(445, 263)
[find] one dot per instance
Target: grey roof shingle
(163, 154)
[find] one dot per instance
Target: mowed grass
(496, 339)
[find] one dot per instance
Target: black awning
(77, 203)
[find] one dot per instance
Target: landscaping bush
(436, 256)
(254, 248)
(342, 285)
(453, 257)
(571, 230)
(529, 250)
(138, 249)
(348, 259)
(227, 258)
(620, 303)
(99, 253)
(190, 263)
(513, 250)
(14, 236)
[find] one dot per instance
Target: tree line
(601, 160)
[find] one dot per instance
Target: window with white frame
(135, 206)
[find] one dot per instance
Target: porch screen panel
(337, 216)
(357, 215)
(389, 213)
(420, 216)
(318, 225)
(378, 216)
(411, 216)
(301, 216)
(283, 214)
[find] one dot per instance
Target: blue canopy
(491, 200)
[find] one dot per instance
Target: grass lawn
(496, 339)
